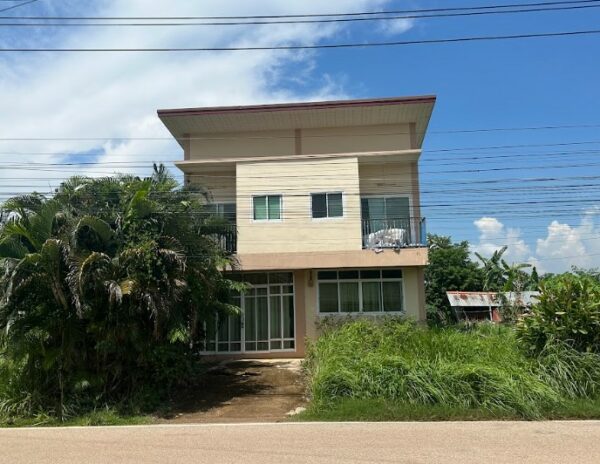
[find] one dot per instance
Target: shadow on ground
(241, 391)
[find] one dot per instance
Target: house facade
(323, 206)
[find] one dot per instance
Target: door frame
(242, 341)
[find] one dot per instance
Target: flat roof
(185, 122)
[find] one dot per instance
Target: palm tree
(493, 273)
(105, 279)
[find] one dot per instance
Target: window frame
(220, 212)
(385, 198)
(360, 281)
(328, 218)
(266, 195)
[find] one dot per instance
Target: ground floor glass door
(266, 322)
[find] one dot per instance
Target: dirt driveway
(242, 391)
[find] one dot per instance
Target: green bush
(473, 368)
(463, 368)
(568, 311)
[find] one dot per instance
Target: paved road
(316, 443)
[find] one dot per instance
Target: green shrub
(573, 373)
(472, 368)
(568, 311)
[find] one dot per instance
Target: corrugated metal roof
(478, 299)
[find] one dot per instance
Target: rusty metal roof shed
(490, 299)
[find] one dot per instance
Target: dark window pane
(288, 289)
(288, 345)
(258, 278)
(281, 278)
(335, 207)
(348, 274)
(349, 302)
(276, 345)
(373, 208)
(327, 275)
(274, 207)
(392, 296)
(262, 346)
(275, 289)
(370, 274)
(391, 273)
(328, 297)
(396, 208)
(260, 208)
(229, 212)
(288, 317)
(235, 328)
(275, 317)
(319, 205)
(371, 294)
(262, 318)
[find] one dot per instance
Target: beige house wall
(386, 179)
(348, 139)
(247, 144)
(297, 231)
(388, 137)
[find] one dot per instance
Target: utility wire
(17, 6)
(577, 33)
(318, 136)
(309, 15)
(301, 21)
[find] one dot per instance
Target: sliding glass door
(382, 213)
(266, 322)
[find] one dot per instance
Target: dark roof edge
(296, 106)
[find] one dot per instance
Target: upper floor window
(327, 205)
(222, 210)
(266, 207)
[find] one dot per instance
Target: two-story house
(323, 201)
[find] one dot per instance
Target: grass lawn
(95, 418)
(374, 410)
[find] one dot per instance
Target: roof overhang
(188, 122)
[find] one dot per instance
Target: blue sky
(507, 84)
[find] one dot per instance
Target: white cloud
(563, 246)
(116, 95)
(396, 26)
(493, 235)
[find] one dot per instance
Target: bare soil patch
(242, 391)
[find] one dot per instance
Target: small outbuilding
(484, 306)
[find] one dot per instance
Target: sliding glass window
(360, 291)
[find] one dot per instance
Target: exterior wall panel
(389, 137)
(242, 144)
(297, 231)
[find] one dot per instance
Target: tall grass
(477, 368)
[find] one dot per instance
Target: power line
(314, 47)
(305, 21)
(308, 15)
(17, 6)
(35, 167)
(328, 135)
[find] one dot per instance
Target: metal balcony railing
(394, 233)
(225, 235)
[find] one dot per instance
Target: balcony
(225, 235)
(394, 233)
